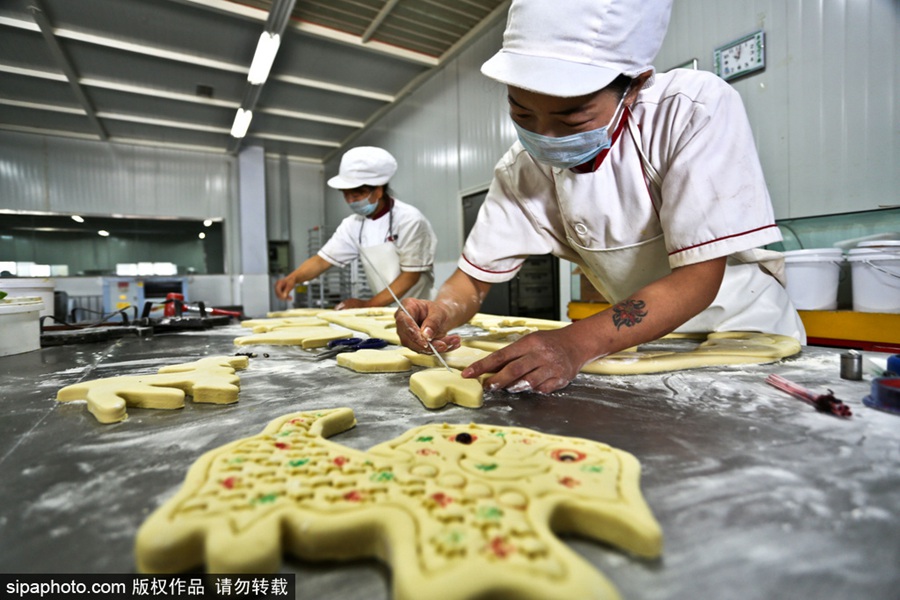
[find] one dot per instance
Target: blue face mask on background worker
(363, 207)
(571, 150)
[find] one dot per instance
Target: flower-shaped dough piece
(456, 511)
(208, 380)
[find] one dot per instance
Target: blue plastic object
(885, 395)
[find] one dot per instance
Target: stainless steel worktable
(758, 495)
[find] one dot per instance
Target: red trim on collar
(385, 209)
(594, 164)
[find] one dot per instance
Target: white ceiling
(173, 73)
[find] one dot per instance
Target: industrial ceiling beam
(378, 20)
(65, 64)
(327, 33)
(495, 16)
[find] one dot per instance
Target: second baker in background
(395, 239)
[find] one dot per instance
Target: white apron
(387, 260)
(749, 299)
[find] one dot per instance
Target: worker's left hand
(543, 361)
(351, 303)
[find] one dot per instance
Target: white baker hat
(575, 47)
(364, 165)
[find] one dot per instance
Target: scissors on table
(336, 347)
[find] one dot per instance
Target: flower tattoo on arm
(628, 313)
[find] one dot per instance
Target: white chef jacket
(681, 184)
(404, 227)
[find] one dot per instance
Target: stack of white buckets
(28, 299)
(814, 276)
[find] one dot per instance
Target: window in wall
(59, 246)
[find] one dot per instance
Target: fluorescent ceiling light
(202, 235)
(241, 123)
(77, 219)
(266, 50)
(207, 223)
(103, 232)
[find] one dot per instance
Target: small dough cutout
(437, 387)
(721, 348)
(497, 322)
(306, 337)
(208, 380)
(456, 511)
(263, 325)
(374, 322)
(375, 361)
(460, 358)
(488, 343)
(298, 312)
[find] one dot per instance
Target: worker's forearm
(461, 297)
(650, 313)
(311, 268)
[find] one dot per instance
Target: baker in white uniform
(649, 182)
(396, 239)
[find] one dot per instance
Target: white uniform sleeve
(714, 196)
(342, 247)
(519, 218)
(416, 242)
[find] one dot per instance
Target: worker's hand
(428, 324)
(351, 303)
(284, 287)
(543, 361)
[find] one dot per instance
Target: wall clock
(741, 57)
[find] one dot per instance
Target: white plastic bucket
(875, 270)
(812, 277)
(31, 286)
(20, 328)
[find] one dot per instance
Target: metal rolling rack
(334, 285)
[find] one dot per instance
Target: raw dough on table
(460, 358)
(298, 312)
(374, 361)
(437, 387)
(374, 322)
(306, 337)
(490, 342)
(456, 511)
(499, 322)
(722, 348)
(714, 349)
(263, 325)
(208, 380)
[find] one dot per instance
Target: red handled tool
(823, 402)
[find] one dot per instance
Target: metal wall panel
(295, 197)
(23, 181)
(62, 175)
(824, 110)
(485, 129)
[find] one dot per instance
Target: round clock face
(740, 57)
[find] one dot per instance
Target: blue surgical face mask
(363, 207)
(571, 150)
